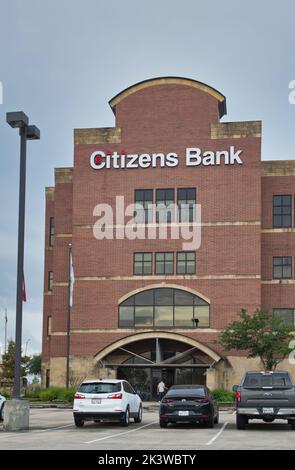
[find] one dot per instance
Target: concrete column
(16, 415)
(211, 378)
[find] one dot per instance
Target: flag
(71, 280)
(24, 295)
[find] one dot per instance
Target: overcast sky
(62, 60)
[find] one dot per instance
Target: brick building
(146, 308)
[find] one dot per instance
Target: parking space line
(217, 435)
(28, 432)
(121, 433)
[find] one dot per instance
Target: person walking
(161, 390)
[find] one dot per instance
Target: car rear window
(189, 392)
(270, 381)
(100, 387)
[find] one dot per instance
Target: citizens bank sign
(193, 157)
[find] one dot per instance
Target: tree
(8, 362)
(261, 334)
(34, 364)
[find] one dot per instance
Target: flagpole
(69, 317)
(5, 332)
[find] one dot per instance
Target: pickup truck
(266, 395)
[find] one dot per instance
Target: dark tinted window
(100, 387)
(282, 267)
(127, 387)
(282, 210)
(276, 380)
(186, 391)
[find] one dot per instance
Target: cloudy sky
(62, 60)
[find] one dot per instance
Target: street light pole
(5, 332)
(20, 263)
(27, 132)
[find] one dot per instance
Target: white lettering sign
(193, 157)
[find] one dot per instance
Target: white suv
(2, 401)
(106, 400)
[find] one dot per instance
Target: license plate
(96, 401)
(183, 413)
(267, 411)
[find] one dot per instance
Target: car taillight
(200, 400)
(116, 396)
(238, 397)
(78, 396)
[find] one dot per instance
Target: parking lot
(54, 429)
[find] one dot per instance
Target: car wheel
(210, 422)
(241, 421)
(97, 420)
(163, 424)
(2, 413)
(216, 419)
(292, 423)
(138, 418)
(126, 418)
(79, 422)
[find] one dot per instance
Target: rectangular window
(186, 262)
(282, 267)
(50, 280)
(186, 201)
(144, 209)
(49, 322)
(286, 314)
(142, 264)
(51, 231)
(282, 211)
(164, 205)
(164, 263)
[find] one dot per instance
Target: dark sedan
(189, 404)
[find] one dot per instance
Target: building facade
(149, 306)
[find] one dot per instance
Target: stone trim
(165, 81)
(100, 135)
(49, 193)
(63, 175)
(278, 230)
(286, 282)
(172, 277)
(156, 334)
(176, 224)
(278, 168)
(129, 330)
(63, 235)
(235, 130)
(163, 284)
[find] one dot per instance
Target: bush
(223, 395)
(57, 393)
(33, 391)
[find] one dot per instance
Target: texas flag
(24, 295)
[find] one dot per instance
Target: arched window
(164, 308)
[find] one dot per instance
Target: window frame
(282, 267)
(51, 231)
(281, 215)
(186, 202)
(173, 260)
(284, 308)
(50, 281)
(146, 210)
(164, 202)
(195, 304)
(143, 263)
(185, 252)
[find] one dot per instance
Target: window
(144, 200)
(282, 267)
(164, 308)
(186, 200)
(142, 264)
(47, 378)
(286, 314)
(164, 263)
(49, 323)
(186, 262)
(165, 205)
(100, 387)
(51, 231)
(282, 211)
(50, 280)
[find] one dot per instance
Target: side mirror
(235, 388)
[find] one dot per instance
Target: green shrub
(57, 393)
(223, 395)
(32, 391)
